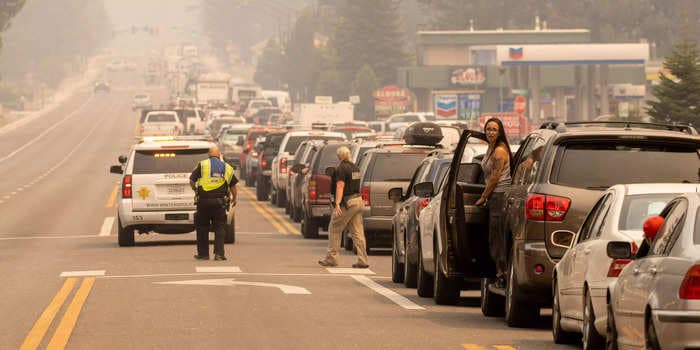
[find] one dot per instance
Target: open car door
(464, 242)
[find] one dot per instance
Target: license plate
(177, 216)
(267, 172)
(321, 211)
(176, 189)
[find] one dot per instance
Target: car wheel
(242, 169)
(347, 241)
(492, 304)
(611, 336)
(281, 198)
(445, 290)
(410, 271)
(231, 231)
(273, 195)
(559, 335)
(261, 191)
(652, 340)
(309, 227)
(519, 313)
(296, 214)
(397, 272)
(424, 282)
(125, 235)
(591, 338)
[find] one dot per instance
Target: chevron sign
(446, 106)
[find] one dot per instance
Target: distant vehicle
(141, 101)
(398, 120)
(155, 192)
(232, 142)
(303, 155)
(241, 93)
(250, 154)
(214, 125)
(255, 105)
(117, 65)
(273, 142)
(279, 99)
(377, 126)
(161, 123)
(212, 88)
(190, 51)
(308, 114)
(101, 86)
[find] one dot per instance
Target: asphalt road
(66, 283)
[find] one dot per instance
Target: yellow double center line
(70, 317)
(276, 219)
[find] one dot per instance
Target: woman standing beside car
(496, 168)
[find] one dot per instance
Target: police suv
(155, 192)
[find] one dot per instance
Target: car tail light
(546, 208)
(141, 128)
(263, 163)
(313, 194)
(126, 186)
(364, 192)
(254, 154)
(690, 288)
(616, 267)
(421, 204)
(283, 165)
(248, 146)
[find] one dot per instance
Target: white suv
(285, 159)
(155, 191)
(161, 123)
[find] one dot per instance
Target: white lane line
(285, 288)
(106, 229)
(258, 274)
(217, 269)
(48, 130)
(20, 189)
(83, 273)
(13, 193)
(388, 293)
(28, 238)
(350, 271)
(6, 197)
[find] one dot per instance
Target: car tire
(347, 241)
(410, 271)
(309, 227)
(591, 339)
(261, 190)
(125, 235)
(424, 282)
(611, 336)
(231, 231)
(273, 195)
(296, 214)
(397, 271)
(559, 335)
(288, 209)
(651, 338)
(445, 290)
(519, 313)
(281, 199)
(492, 304)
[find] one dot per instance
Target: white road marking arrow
(228, 282)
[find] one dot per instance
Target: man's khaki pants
(351, 218)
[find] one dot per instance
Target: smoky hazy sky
(182, 13)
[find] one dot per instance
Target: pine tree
(364, 85)
(678, 97)
(269, 70)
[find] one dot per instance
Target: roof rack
(688, 129)
(151, 139)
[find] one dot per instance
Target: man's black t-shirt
(220, 192)
(350, 174)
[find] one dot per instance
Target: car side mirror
(423, 189)
(563, 239)
(619, 250)
(122, 159)
(395, 194)
(116, 169)
(330, 171)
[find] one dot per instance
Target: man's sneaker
(201, 257)
(219, 257)
(327, 262)
(360, 265)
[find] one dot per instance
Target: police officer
(347, 212)
(215, 185)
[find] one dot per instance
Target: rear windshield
(255, 134)
(161, 118)
(327, 158)
(638, 208)
(394, 166)
(168, 161)
(603, 164)
(361, 153)
(234, 135)
(294, 141)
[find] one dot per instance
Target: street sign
(328, 100)
(520, 105)
(623, 109)
(355, 99)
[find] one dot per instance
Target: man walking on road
(214, 183)
(347, 212)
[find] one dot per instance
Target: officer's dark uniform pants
(211, 213)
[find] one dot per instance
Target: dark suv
(558, 173)
(273, 140)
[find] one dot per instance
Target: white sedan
(655, 303)
(583, 275)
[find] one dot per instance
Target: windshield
(637, 208)
(234, 135)
(161, 118)
(168, 161)
(600, 165)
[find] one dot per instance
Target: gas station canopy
(572, 54)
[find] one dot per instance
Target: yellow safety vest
(209, 183)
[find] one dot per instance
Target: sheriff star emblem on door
(144, 193)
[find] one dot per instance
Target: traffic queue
(595, 220)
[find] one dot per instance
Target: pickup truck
(161, 123)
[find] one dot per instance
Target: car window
(673, 224)
(602, 217)
(161, 118)
(327, 157)
(441, 172)
(529, 161)
(637, 208)
(361, 153)
(589, 222)
(696, 231)
(602, 164)
(395, 166)
(167, 161)
(300, 151)
(294, 141)
(418, 176)
(234, 135)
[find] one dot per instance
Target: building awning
(572, 54)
